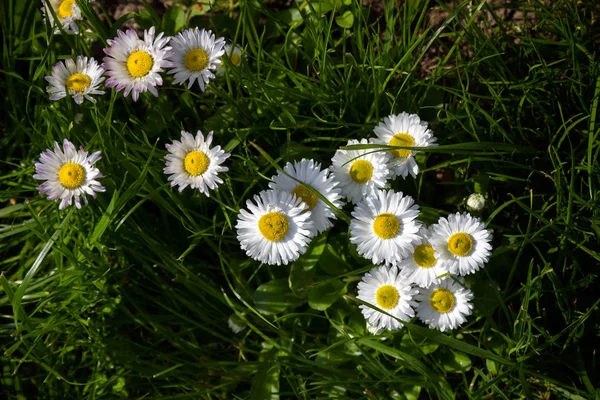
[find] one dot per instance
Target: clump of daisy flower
(461, 243)
(476, 202)
(444, 305)
(309, 172)
(234, 54)
(196, 55)
(192, 162)
(134, 64)
(79, 79)
(69, 175)
(384, 227)
(276, 228)
(422, 267)
(360, 172)
(384, 288)
(403, 130)
(66, 11)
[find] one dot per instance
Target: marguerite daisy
(79, 79)
(69, 175)
(67, 12)
(444, 305)
(360, 172)
(384, 227)
(135, 65)
(196, 54)
(310, 172)
(276, 229)
(403, 130)
(461, 243)
(193, 163)
(421, 267)
(234, 53)
(384, 288)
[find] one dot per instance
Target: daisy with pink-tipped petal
(79, 79)
(134, 65)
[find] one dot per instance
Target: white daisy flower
(196, 54)
(384, 288)
(276, 229)
(310, 172)
(234, 53)
(476, 202)
(360, 172)
(193, 163)
(461, 243)
(69, 175)
(135, 65)
(422, 267)
(79, 79)
(67, 12)
(444, 305)
(404, 130)
(384, 227)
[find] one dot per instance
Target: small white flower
(476, 202)
(384, 227)
(135, 65)
(422, 267)
(461, 243)
(236, 324)
(79, 79)
(67, 12)
(384, 288)
(404, 130)
(234, 53)
(310, 173)
(196, 54)
(193, 163)
(69, 175)
(276, 229)
(360, 172)
(444, 305)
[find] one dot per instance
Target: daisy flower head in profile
(383, 287)
(444, 305)
(461, 243)
(135, 65)
(67, 13)
(404, 130)
(422, 267)
(234, 54)
(384, 227)
(310, 173)
(69, 174)
(192, 162)
(360, 172)
(79, 79)
(196, 55)
(276, 228)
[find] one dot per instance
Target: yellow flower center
(460, 244)
(65, 9)
(235, 58)
(196, 60)
(423, 256)
(139, 63)
(196, 163)
(442, 300)
(71, 175)
(307, 196)
(361, 171)
(402, 139)
(387, 297)
(78, 82)
(386, 225)
(273, 226)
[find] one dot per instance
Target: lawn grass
(131, 296)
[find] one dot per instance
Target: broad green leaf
(173, 20)
(303, 270)
(455, 361)
(323, 296)
(274, 297)
(346, 20)
(265, 384)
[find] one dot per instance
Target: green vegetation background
(130, 296)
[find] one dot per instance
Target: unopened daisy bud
(79, 79)
(444, 305)
(476, 202)
(236, 324)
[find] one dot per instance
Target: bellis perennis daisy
(79, 79)
(422, 267)
(444, 305)
(234, 54)
(276, 228)
(135, 65)
(193, 163)
(69, 174)
(67, 12)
